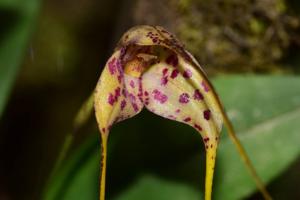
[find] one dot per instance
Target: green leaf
(267, 117)
(16, 22)
(151, 187)
(78, 179)
(265, 111)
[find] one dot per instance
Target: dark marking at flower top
(206, 139)
(187, 119)
(172, 60)
(123, 104)
(111, 99)
(159, 96)
(123, 52)
(198, 127)
(211, 146)
(205, 86)
(174, 73)
(206, 114)
(198, 95)
(103, 130)
(187, 73)
(184, 98)
(154, 39)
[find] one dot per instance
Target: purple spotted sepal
(150, 68)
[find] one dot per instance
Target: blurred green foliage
(16, 23)
(169, 151)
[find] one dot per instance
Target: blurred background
(52, 53)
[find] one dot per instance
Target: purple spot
(164, 80)
(135, 107)
(184, 98)
(172, 117)
(111, 99)
(187, 73)
(198, 95)
(187, 119)
(112, 66)
(206, 139)
(206, 114)
(154, 40)
(198, 127)
(205, 86)
(123, 104)
(119, 65)
(120, 78)
(132, 97)
(172, 60)
(146, 93)
(132, 84)
(165, 71)
(117, 93)
(177, 111)
(162, 98)
(140, 94)
(174, 73)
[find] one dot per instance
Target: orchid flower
(150, 68)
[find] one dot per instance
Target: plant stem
(245, 158)
(210, 166)
(62, 155)
(103, 168)
(80, 119)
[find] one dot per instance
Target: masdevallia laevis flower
(150, 68)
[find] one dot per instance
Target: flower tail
(103, 168)
(211, 153)
(260, 185)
